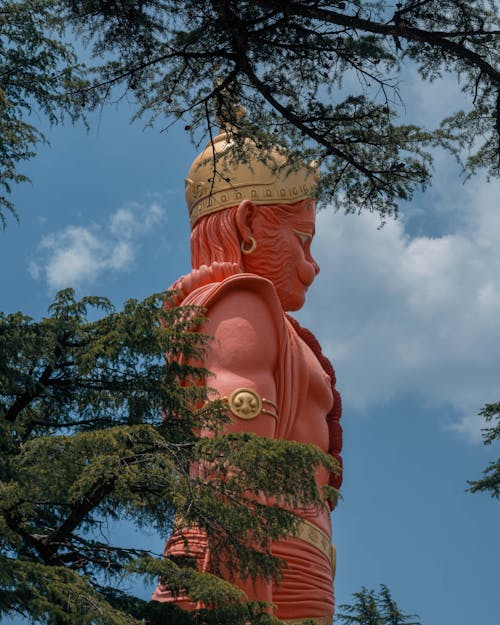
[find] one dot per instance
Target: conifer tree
(96, 427)
(374, 608)
(490, 483)
(39, 73)
(320, 78)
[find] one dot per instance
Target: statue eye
(303, 236)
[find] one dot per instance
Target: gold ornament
(251, 249)
(245, 403)
(312, 534)
(266, 179)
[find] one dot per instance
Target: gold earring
(251, 249)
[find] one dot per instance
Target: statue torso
(301, 382)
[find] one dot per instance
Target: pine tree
(320, 78)
(95, 427)
(491, 480)
(39, 73)
(374, 608)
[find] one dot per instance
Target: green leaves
(321, 79)
(54, 595)
(295, 68)
(374, 608)
(39, 72)
(490, 483)
(96, 427)
(71, 371)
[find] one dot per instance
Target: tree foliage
(374, 608)
(95, 428)
(39, 72)
(320, 78)
(491, 481)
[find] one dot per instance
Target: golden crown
(213, 184)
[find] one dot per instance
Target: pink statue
(252, 229)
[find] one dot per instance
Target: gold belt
(311, 534)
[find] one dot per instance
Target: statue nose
(307, 272)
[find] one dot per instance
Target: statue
(252, 228)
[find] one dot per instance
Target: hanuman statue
(252, 228)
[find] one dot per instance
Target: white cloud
(133, 220)
(398, 313)
(78, 255)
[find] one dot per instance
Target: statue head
(259, 215)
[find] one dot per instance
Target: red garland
(333, 417)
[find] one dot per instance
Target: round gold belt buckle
(245, 403)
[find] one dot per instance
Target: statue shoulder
(247, 287)
(234, 298)
(248, 282)
(246, 320)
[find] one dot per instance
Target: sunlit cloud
(79, 255)
(420, 314)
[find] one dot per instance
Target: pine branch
(438, 39)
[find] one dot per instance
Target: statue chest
(315, 400)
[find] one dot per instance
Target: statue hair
(215, 238)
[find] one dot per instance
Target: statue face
(283, 254)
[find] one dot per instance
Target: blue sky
(408, 314)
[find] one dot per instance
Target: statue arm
(243, 354)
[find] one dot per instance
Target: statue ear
(245, 215)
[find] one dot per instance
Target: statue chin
(292, 296)
(292, 301)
